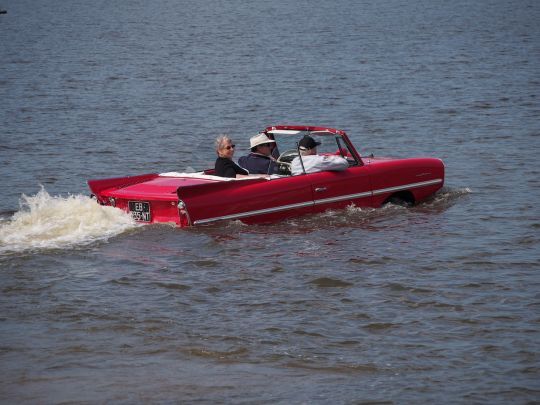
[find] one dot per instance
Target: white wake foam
(48, 222)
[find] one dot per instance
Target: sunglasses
(229, 147)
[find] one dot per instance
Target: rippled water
(435, 303)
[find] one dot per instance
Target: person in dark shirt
(260, 160)
(225, 167)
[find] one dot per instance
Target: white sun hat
(259, 139)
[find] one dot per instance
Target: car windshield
(329, 144)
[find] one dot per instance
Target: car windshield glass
(329, 144)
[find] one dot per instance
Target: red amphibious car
(188, 199)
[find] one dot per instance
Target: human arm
(318, 163)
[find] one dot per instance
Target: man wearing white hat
(260, 160)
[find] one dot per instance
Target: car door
(338, 189)
(251, 200)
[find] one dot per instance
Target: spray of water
(48, 222)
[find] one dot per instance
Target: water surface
(436, 303)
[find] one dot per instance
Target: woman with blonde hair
(225, 167)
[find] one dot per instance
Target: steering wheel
(284, 161)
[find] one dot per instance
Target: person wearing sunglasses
(225, 166)
(260, 160)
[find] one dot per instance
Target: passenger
(314, 163)
(225, 167)
(260, 160)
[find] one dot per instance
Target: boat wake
(439, 202)
(53, 222)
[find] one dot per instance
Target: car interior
(287, 146)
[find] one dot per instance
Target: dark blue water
(435, 303)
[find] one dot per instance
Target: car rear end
(148, 198)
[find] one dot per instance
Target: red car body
(188, 199)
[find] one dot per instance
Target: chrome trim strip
(407, 186)
(317, 202)
(256, 212)
(343, 197)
